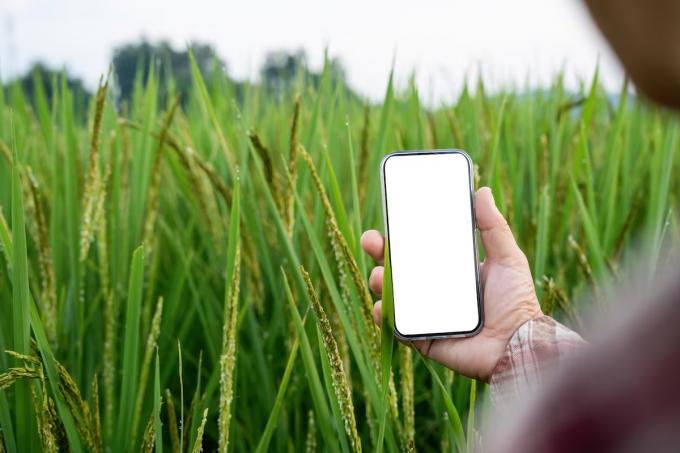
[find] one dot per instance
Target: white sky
(513, 42)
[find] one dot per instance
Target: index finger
(373, 243)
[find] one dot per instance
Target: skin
(509, 295)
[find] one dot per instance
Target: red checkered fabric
(536, 347)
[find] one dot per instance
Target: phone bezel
(480, 311)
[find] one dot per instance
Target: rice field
(185, 273)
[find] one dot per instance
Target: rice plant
(186, 274)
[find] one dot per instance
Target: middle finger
(375, 281)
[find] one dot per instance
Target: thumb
(499, 243)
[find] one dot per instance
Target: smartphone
(428, 203)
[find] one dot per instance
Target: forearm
(535, 348)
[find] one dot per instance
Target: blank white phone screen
(431, 232)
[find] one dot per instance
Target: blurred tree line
(135, 61)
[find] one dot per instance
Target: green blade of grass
(130, 365)
(471, 416)
(74, 316)
(386, 343)
(20, 307)
(197, 407)
(74, 441)
(596, 254)
(542, 232)
(380, 147)
(206, 102)
(356, 206)
(263, 443)
(454, 417)
(661, 188)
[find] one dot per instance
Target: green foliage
(160, 224)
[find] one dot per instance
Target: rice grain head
(310, 441)
(345, 259)
(79, 407)
(100, 230)
(48, 428)
(254, 281)
(407, 396)
(48, 296)
(198, 444)
(172, 422)
(96, 418)
(266, 157)
(15, 374)
(149, 437)
(228, 358)
(47, 440)
(109, 358)
(339, 378)
(93, 181)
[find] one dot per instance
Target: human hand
(508, 288)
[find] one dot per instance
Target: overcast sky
(513, 42)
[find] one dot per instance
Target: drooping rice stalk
(343, 256)
(340, 384)
(229, 332)
(272, 179)
(80, 409)
(93, 186)
(46, 431)
(47, 425)
(48, 296)
(406, 387)
(15, 374)
(228, 358)
(96, 417)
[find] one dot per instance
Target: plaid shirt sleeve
(537, 346)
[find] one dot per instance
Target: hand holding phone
(508, 294)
